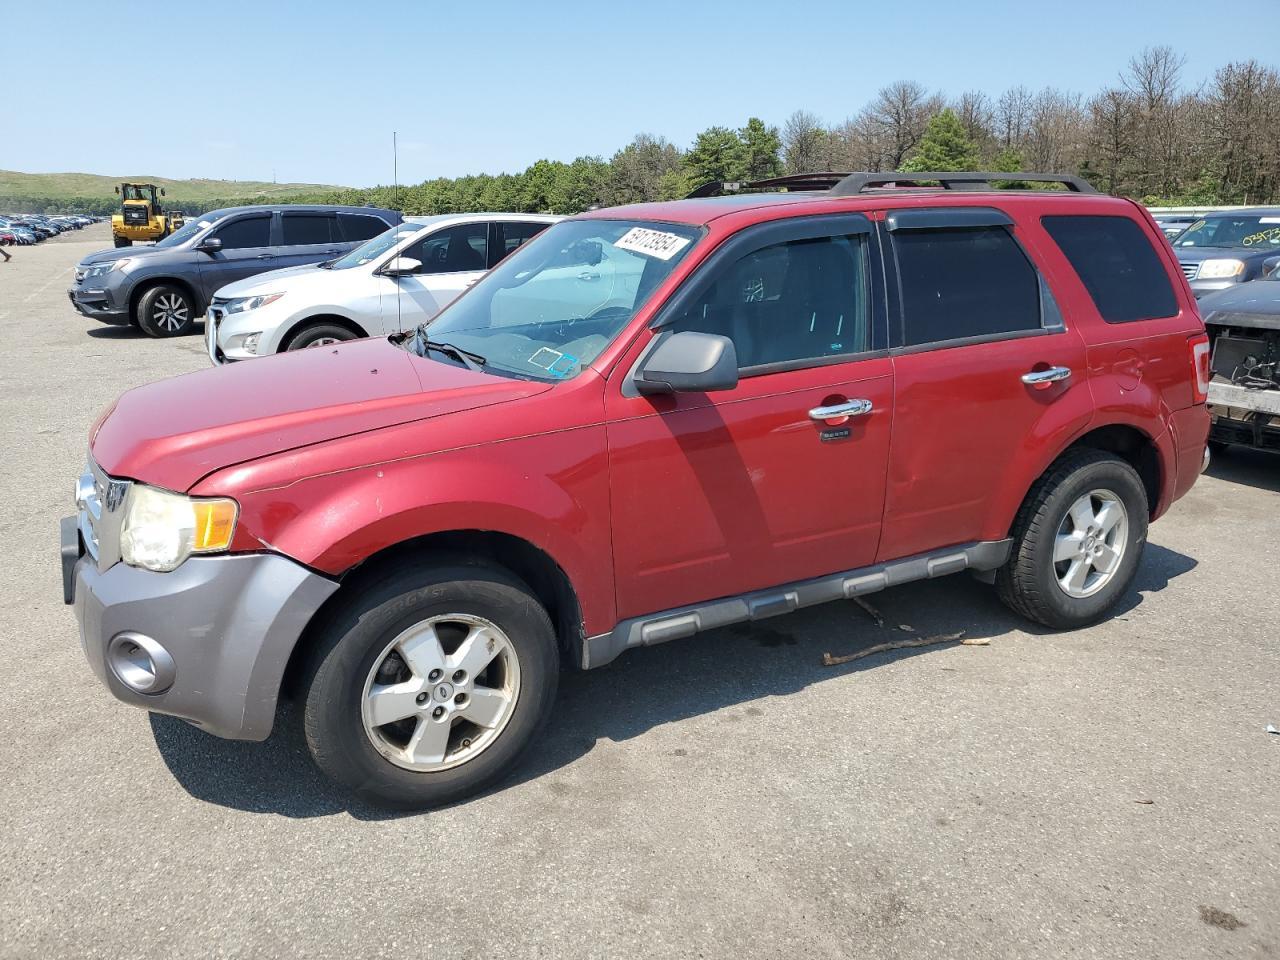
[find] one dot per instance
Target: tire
(347, 669)
(1032, 584)
(1219, 448)
(165, 311)
(319, 335)
(123, 242)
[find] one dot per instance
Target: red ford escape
(650, 421)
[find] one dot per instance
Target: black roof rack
(852, 184)
(856, 183)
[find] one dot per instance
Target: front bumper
(100, 302)
(228, 624)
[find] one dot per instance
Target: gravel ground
(1109, 793)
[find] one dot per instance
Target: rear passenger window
(246, 232)
(301, 229)
(361, 226)
(800, 300)
(1118, 266)
(968, 282)
(511, 234)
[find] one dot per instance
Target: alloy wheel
(170, 312)
(441, 692)
(1090, 543)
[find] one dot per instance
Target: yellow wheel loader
(140, 216)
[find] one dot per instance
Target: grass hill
(56, 185)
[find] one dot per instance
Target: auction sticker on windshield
(652, 243)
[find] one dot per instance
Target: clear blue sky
(312, 91)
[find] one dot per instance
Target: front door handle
(1038, 378)
(841, 411)
(265, 256)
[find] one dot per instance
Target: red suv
(649, 421)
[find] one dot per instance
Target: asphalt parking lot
(1109, 793)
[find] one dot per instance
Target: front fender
(550, 490)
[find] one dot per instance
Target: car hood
(135, 253)
(1198, 254)
(177, 431)
(269, 282)
(1253, 304)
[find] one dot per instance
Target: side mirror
(209, 245)
(401, 266)
(690, 362)
(117, 191)
(162, 191)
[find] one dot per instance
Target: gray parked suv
(163, 289)
(1223, 249)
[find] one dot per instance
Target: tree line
(1149, 135)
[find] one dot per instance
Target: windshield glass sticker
(563, 367)
(652, 243)
(546, 358)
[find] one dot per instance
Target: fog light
(140, 663)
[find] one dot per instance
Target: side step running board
(686, 621)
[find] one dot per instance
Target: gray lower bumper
(228, 623)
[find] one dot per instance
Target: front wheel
(165, 311)
(319, 335)
(427, 688)
(123, 242)
(1078, 539)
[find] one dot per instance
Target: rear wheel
(1078, 540)
(428, 687)
(165, 311)
(319, 335)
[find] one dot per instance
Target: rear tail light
(1199, 367)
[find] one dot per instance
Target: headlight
(102, 269)
(162, 529)
(243, 304)
(1219, 269)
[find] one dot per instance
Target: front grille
(212, 318)
(1189, 268)
(136, 216)
(100, 500)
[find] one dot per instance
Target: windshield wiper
(472, 361)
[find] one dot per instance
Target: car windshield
(1249, 231)
(375, 247)
(186, 232)
(551, 308)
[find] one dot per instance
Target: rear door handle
(1052, 375)
(838, 411)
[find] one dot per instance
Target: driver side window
(459, 249)
(245, 233)
(798, 300)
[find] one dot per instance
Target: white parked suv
(393, 282)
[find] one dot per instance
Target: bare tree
(1012, 116)
(896, 119)
(803, 142)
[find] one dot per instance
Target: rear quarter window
(1118, 265)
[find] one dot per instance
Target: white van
(393, 282)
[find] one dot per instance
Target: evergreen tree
(717, 154)
(762, 150)
(944, 146)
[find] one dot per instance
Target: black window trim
(1051, 316)
(761, 235)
